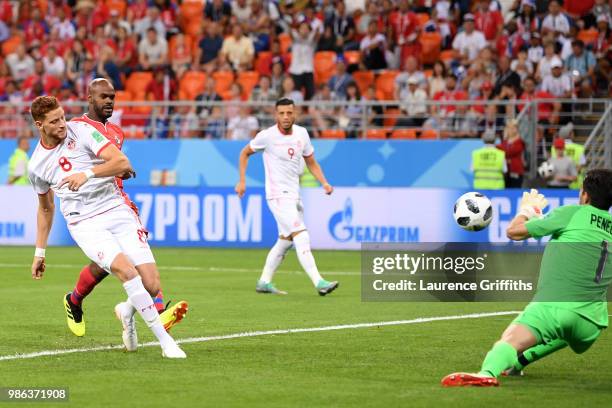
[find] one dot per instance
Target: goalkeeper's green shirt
(573, 258)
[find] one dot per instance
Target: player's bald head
(98, 84)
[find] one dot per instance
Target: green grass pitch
(378, 366)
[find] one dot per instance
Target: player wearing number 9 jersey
(79, 165)
(570, 305)
(283, 146)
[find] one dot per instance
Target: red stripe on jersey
(45, 147)
(109, 130)
(104, 147)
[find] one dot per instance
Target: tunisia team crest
(71, 144)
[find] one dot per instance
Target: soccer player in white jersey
(79, 165)
(283, 146)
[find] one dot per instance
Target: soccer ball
(473, 211)
(546, 170)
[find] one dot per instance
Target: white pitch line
(185, 268)
(261, 333)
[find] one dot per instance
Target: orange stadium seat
(333, 134)
(428, 73)
(9, 46)
(140, 95)
(376, 134)
(429, 134)
(447, 55)
(385, 85)
(285, 42)
(423, 18)
(588, 36)
(134, 132)
(194, 28)
(223, 81)
(248, 80)
(138, 81)
(118, 5)
(191, 84)
(391, 115)
(430, 47)
(403, 134)
(324, 66)
(363, 79)
(172, 44)
(191, 11)
(352, 57)
(263, 63)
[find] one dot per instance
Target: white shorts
(289, 215)
(104, 236)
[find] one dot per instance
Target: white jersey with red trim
(79, 151)
(282, 155)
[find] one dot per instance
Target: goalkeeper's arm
(517, 230)
(531, 206)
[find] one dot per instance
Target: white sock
(274, 259)
(302, 248)
(140, 299)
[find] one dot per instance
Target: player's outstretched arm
(315, 169)
(116, 164)
(243, 162)
(531, 206)
(44, 221)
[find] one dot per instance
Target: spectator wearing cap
(574, 151)
(604, 37)
(413, 104)
(527, 20)
(556, 21)
(302, 61)
(20, 63)
(468, 43)
(535, 52)
(514, 148)
(339, 81)
(238, 49)
(372, 47)
(557, 83)
(411, 70)
(152, 50)
(564, 170)
(580, 60)
(601, 9)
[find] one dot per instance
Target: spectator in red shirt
(490, 22)
(49, 82)
(405, 25)
(449, 94)
(6, 11)
(161, 87)
(514, 147)
(136, 10)
(35, 29)
(127, 57)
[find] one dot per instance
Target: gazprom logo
(342, 229)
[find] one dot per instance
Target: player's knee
(123, 268)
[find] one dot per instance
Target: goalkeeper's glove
(532, 204)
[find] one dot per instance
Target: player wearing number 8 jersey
(570, 306)
(283, 146)
(79, 165)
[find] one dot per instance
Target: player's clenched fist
(38, 267)
(74, 181)
(328, 188)
(240, 188)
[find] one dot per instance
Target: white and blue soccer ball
(473, 211)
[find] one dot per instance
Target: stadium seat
(429, 134)
(140, 95)
(352, 57)
(172, 44)
(447, 55)
(403, 134)
(431, 44)
(263, 63)
(138, 81)
(385, 85)
(134, 132)
(248, 80)
(324, 66)
(588, 36)
(285, 42)
(191, 11)
(333, 134)
(118, 5)
(428, 73)
(9, 46)
(363, 79)
(390, 118)
(192, 84)
(376, 134)
(193, 29)
(223, 81)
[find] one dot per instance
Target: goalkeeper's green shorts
(549, 323)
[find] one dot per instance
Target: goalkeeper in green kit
(570, 306)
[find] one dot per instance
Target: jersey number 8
(65, 164)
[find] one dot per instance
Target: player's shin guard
(537, 352)
(140, 299)
(499, 358)
(86, 283)
(302, 247)
(274, 259)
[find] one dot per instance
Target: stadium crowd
(442, 61)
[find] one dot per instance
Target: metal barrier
(598, 147)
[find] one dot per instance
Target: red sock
(87, 281)
(158, 301)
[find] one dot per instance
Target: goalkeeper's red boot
(465, 379)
